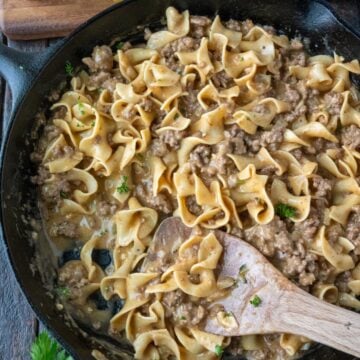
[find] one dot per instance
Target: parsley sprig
(69, 68)
(285, 211)
(45, 348)
(123, 187)
(219, 350)
(255, 301)
(63, 292)
(81, 107)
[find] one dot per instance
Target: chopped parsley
(45, 348)
(140, 157)
(81, 107)
(228, 314)
(69, 69)
(103, 232)
(93, 123)
(63, 292)
(255, 301)
(182, 317)
(119, 45)
(123, 187)
(219, 350)
(63, 194)
(241, 182)
(285, 211)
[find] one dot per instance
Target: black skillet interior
(309, 18)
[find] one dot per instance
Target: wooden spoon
(284, 307)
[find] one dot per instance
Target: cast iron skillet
(31, 76)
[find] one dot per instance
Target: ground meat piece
(200, 157)
(333, 232)
(199, 26)
(321, 186)
(193, 206)
(297, 153)
(51, 131)
(189, 105)
(98, 79)
(161, 202)
(147, 104)
(222, 80)
(158, 148)
(101, 59)
(307, 229)
(61, 152)
(172, 138)
(43, 174)
(64, 228)
(236, 136)
(110, 83)
(352, 231)
(106, 208)
(306, 279)
(333, 102)
(342, 281)
(36, 157)
(350, 136)
(129, 112)
(53, 191)
(291, 95)
(181, 309)
(319, 145)
(296, 44)
(272, 139)
(233, 25)
(246, 26)
(184, 44)
(297, 58)
(263, 237)
(73, 274)
(219, 159)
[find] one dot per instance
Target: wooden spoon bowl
(281, 306)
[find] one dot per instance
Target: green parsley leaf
(255, 301)
(241, 182)
(93, 123)
(63, 194)
(69, 69)
(285, 211)
(81, 107)
(140, 157)
(123, 187)
(119, 45)
(63, 292)
(219, 350)
(228, 314)
(45, 348)
(182, 317)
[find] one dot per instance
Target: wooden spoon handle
(303, 314)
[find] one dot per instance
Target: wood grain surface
(18, 323)
(38, 19)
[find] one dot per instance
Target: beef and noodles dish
(226, 125)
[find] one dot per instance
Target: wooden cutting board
(38, 19)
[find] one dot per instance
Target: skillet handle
(20, 69)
